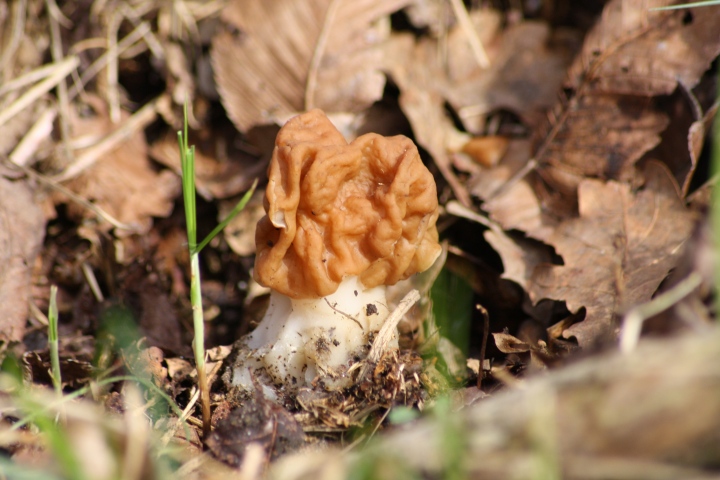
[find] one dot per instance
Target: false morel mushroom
(343, 220)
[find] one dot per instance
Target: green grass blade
(238, 208)
(53, 342)
(706, 3)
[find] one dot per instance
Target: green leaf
(452, 299)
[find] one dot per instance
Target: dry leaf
(487, 151)
(281, 57)
(123, 182)
(599, 136)
(240, 232)
(22, 229)
(616, 253)
(519, 255)
(219, 173)
(696, 139)
(506, 343)
(524, 77)
(518, 208)
(631, 55)
(429, 77)
(637, 51)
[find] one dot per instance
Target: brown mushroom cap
(335, 209)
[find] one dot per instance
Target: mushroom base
(302, 341)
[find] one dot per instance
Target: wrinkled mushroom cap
(335, 209)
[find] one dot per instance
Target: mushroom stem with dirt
(343, 221)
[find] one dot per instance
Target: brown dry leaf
(454, 75)
(22, 229)
(278, 58)
(156, 314)
(522, 48)
(218, 173)
(123, 182)
(518, 208)
(637, 51)
(696, 139)
(519, 255)
(240, 232)
(429, 77)
(616, 253)
(506, 343)
(512, 203)
(631, 55)
(599, 136)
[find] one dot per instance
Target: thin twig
(92, 282)
(519, 175)
(141, 25)
(470, 33)
(483, 346)
(454, 207)
(41, 129)
(89, 73)
(137, 121)
(113, 67)
(56, 49)
(18, 32)
(343, 314)
(28, 78)
(62, 69)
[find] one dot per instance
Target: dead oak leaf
(432, 73)
(220, 170)
(631, 55)
(22, 229)
(123, 182)
(634, 50)
(616, 253)
(599, 136)
(281, 57)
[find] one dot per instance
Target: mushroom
(342, 222)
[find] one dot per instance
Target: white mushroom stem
(300, 340)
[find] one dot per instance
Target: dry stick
(18, 32)
(62, 91)
(92, 282)
(186, 18)
(137, 121)
(28, 78)
(113, 67)
(387, 331)
(150, 39)
(320, 45)
(128, 41)
(41, 129)
(62, 69)
(483, 347)
(469, 30)
(208, 8)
